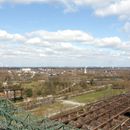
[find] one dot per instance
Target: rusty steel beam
(74, 111)
(102, 114)
(91, 111)
(109, 120)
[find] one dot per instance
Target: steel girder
(13, 118)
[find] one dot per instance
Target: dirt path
(72, 103)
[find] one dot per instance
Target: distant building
(13, 93)
(26, 70)
(85, 70)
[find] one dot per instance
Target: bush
(29, 92)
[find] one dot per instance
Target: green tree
(92, 82)
(83, 84)
(29, 92)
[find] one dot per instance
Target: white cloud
(100, 7)
(119, 8)
(91, 2)
(60, 45)
(70, 5)
(69, 44)
(34, 40)
(18, 37)
(11, 37)
(126, 27)
(70, 39)
(113, 42)
(62, 36)
(77, 2)
(5, 36)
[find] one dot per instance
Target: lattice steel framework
(12, 118)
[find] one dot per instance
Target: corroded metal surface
(104, 115)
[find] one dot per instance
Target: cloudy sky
(64, 32)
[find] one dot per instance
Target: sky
(38, 33)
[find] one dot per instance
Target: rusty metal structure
(110, 114)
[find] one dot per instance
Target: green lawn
(97, 95)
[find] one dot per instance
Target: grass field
(47, 110)
(97, 95)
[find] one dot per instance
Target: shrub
(29, 92)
